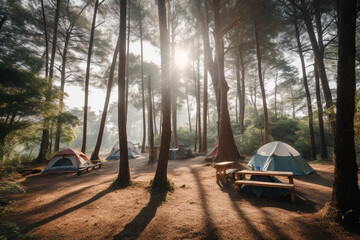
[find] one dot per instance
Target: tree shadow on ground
(319, 177)
(51, 205)
(133, 229)
(210, 229)
(301, 204)
(72, 209)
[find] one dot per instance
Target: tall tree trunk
(261, 82)
(160, 179)
(87, 76)
(198, 102)
(238, 88)
(187, 104)
(242, 100)
(210, 64)
(275, 96)
(142, 86)
(95, 153)
(307, 92)
(323, 150)
(127, 64)
(227, 147)
(346, 193)
(253, 100)
(46, 40)
(151, 131)
(321, 67)
(62, 92)
(197, 113)
(205, 110)
(154, 113)
(124, 171)
(45, 134)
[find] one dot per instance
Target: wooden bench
(240, 175)
(86, 169)
(223, 170)
(230, 172)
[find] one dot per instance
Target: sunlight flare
(181, 58)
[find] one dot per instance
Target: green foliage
(250, 141)
(11, 188)
(284, 130)
(10, 231)
(21, 103)
(7, 189)
(19, 38)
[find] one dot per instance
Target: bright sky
(97, 96)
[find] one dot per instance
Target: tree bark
(323, 150)
(321, 67)
(346, 193)
(261, 82)
(210, 64)
(205, 110)
(198, 102)
(142, 85)
(127, 64)
(160, 179)
(95, 153)
(227, 147)
(46, 40)
(124, 171)
(197, 113)
(187, 104)
(62, 92)
(242, 100)
(151, 131)
(275, 96)
(154, 113)
(87, 76)
(174, 83)
(45, 135)
(307, 92)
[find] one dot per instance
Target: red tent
(67, 160)
(213, 150)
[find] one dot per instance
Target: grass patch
(163, 192)
(6, 190)
(11, 188)
(11, 231)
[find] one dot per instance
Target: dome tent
(67, 160)
(279, 156)
(115, 152)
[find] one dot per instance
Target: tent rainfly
(115, 151)
(213, 150)
(279, 156)
(67, 160)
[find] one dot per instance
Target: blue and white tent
(115, 152)
(279, 156)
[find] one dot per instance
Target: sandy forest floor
(67, 206)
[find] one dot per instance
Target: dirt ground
(67, 206)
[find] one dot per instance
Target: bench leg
(292, 193)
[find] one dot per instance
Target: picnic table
(89, 166)
(241, 180)
(223, 170)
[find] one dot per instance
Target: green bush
(10, 231)
(250, 141)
